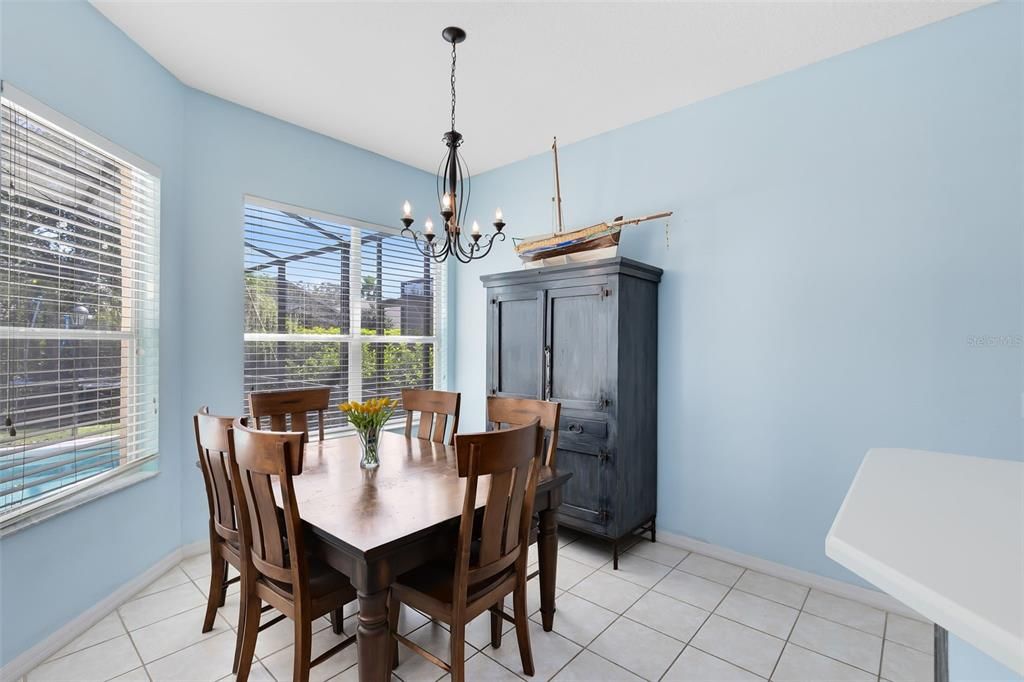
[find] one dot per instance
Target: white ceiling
(375, 74)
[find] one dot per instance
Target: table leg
(372, 639)
(941, 654)
(547, 549)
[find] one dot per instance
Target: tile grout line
(896, 641)
(116, 610)
(688, 644)
(831, 620)
(135, 648)
(823, 654)
(586, 647)
(881, 653)
(714, 612)
(792, 628)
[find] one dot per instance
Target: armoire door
(517, 340)
(583, 449)
(580, 325)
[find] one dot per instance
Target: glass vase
(369, 459)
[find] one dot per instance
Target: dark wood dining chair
(276, 568)
(486, 568)
(435, 407)
(506, 412)
(212, 443)
(294, 404)
(509, 412)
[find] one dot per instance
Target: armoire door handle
(547, 372)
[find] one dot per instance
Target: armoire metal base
(647, 526)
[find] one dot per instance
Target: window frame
(129, 471)
(356, 341)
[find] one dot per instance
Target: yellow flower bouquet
(368, 418)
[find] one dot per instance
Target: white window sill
(129, 476)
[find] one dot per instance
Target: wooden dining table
(375, 525)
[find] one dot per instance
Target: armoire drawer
(581, 434)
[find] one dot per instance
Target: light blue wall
(72, 59)
(211, 153)
(232, 151)
(839, 234)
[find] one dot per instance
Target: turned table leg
(547, 550)
(372, 639)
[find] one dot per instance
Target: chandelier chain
(453, 86)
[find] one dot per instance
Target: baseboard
(194, 548)
(28, 660)
(879, 600)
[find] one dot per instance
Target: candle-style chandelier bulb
(407, 214)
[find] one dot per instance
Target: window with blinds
(331, 301)
(78, 308)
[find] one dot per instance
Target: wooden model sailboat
(600, 240)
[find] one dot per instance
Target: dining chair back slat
(292, 405)
(505, 412)
(435, 409)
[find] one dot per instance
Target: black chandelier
(453, 188)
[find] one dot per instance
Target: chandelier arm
(440, 181)
(422, 244)
(416, 242)
(460, 212)
(466, 249)
(467, 185)
(483, 251)
(465, 256)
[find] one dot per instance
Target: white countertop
(944, 534)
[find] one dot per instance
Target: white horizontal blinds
(78, 309)
(337, 303)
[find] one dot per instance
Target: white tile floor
(665, 615)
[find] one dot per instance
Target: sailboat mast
(558, 187)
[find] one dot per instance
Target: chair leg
(394, 614)
(215, 597)
(224, 585)
(458, 651)
(497, 624)
(239, 633)
(338, 621)
(250, 631)
(523, 628)
(303, 647)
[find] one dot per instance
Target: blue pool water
(21, 481)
